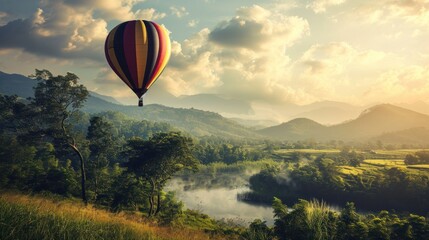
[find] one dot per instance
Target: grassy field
(381, 153)
(29, 217)
(398, 152)
(386, 162)
(419, 166)
(283, 151)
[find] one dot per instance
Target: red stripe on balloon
(129, 47)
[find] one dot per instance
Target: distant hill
(418, 106)
(216, 103)
(381, 119)
(11, 84)
(208, 102)
(418, 135)
(196, 122)
(105, 98)
(22, 86)
(384, 121)
(329, 115)
(255, 123)
(371, 123)
(297, 129)
(328, 112)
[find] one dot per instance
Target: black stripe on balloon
(118, 43)
(152, 53)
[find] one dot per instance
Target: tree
(258, 230)
(157, 159)
(307, 220)
(102, 144)
(349, 224)
(16, 118)
(58, 100)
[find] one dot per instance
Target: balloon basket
(141, 102)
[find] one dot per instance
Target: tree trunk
(158, 203)
(96, 179)
(151, 202)
(82, 173)
(72, 144)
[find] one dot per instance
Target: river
(221, 203)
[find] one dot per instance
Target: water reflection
(220, 203)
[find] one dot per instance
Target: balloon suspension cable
(141, 102)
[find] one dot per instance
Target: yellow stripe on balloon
(166, 57)
(141, 51)
(113, 59)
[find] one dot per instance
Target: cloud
(106, 9)
(179, 11)
(325, 70)
(193, 23)
(107, 82)
(57, 31)
(69, 29)
(257, 28)
(244, 57)
(406, 84)
(4, 18)
(149, 14)
(320, 6)
(383, 11)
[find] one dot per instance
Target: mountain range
(385, 122)
(193, 121)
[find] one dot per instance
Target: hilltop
(371, 123)
(194, 121)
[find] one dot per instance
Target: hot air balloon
(138, 52)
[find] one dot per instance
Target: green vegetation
(155, 161)
(120, 164)
(374, 184)
(315, 220)
(420, 157)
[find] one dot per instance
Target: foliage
(315, 220)
(156, 160)
(103, 148)
(258, 230)
(420, 157)
(372, 186)
(57, 100)
(306, 220)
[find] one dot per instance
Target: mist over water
(221, 203)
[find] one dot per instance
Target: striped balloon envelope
(138, 52)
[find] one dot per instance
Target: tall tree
(58, 100)
(157, 159)
(102, 145)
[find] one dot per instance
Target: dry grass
(350, 170)
(386, 162)
(35, 217)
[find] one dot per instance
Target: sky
(267, 53)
